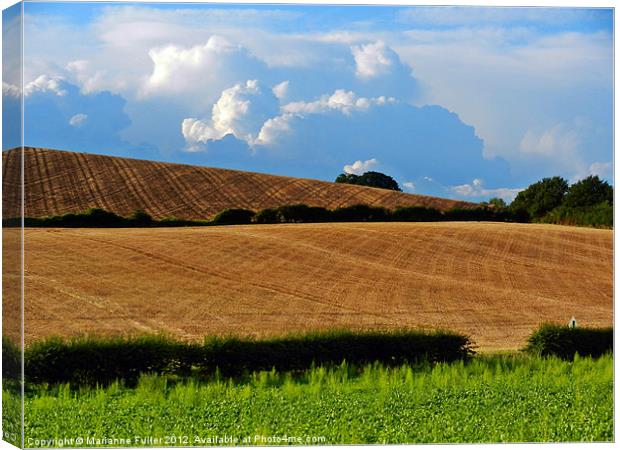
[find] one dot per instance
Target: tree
(588, 192)
(141, 218)
(372, 179)
(495, 203)
(233, 216)
(540, 197)
(348, 178)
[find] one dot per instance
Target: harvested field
(495, 282)
(58, 182)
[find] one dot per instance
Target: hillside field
(60, 182)
(493, 281)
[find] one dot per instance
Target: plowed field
(58, 182)
(495, 282)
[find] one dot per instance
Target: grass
(508, 398)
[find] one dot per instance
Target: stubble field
(495, 282)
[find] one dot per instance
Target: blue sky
(459, 102)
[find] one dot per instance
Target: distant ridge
(60, 182)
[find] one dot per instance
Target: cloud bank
(440, 96)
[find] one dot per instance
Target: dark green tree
(372, 179)
(588, 192)
(541, 197)
(141, 218)
(347, 178)
(496, 203)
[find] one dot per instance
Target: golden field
(493, 281)
(59, 182)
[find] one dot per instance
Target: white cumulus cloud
(44, 83)
(92, 80)
(274, 128)
(476, 189)
(341, 100)
(78, 119)
(359, 167)
(409, 186)
(241, 110)
(372, 60)
(10, 90)
(280, 90)
(172, 61)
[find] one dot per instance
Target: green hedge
(298, 213)
(234, 216)
(90, 361)
(600, 215)
(102, 360)
(11, 360)
(565, 342)
(416, 214)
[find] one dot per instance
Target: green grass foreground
(511, 398)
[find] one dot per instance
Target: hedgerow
(90, 361)
(565, 342)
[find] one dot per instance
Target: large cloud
(241, 111)
(317, 138)
(201, 69)
(508, 81)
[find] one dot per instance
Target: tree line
(587, 202)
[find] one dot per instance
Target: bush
(416, 214)
(234, 216)
(93, 217)
(565, 342)
(267, 215)
(11, 360)
(90, 361)
(485, 215)
(174, 222)
(470, 214)
(140, 218)
(361, 213)
(601, 215)
(301, 213)
(295, 353)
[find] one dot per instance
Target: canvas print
(252, 224)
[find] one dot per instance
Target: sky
(459, 102)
